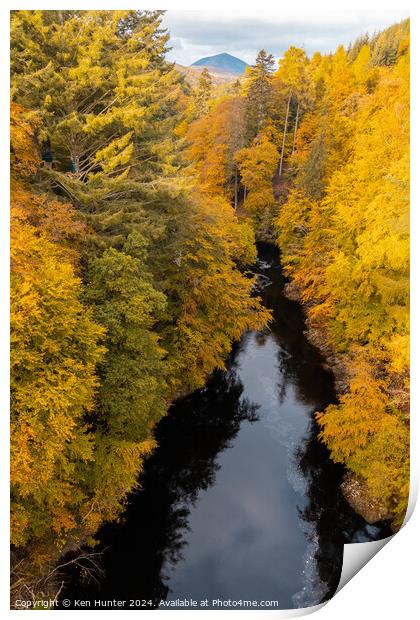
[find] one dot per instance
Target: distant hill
(192, 74)
(222, 62)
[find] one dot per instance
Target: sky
(195, 34)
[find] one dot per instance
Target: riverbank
(354, 489)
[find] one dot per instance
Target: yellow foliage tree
(54, 353)
(344, 233)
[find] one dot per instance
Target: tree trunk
(296, 126)
(244, 193)
(284, 135)
(236, 189)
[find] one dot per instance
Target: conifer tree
(258, 93)
(203, 93)
(106, 97)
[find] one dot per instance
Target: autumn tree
(132, 395)
(292, 83)
(54, 352)
(212, 143)
(385, 45)
(216, 243)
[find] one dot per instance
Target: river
(240, 501)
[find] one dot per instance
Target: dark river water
(240, 501)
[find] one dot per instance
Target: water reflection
(240, 501)
(138, 554)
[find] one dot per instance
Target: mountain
(222, 62)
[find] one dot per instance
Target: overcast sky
(195, 34)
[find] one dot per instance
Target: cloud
(195, 34)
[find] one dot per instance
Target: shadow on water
(240, 500)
